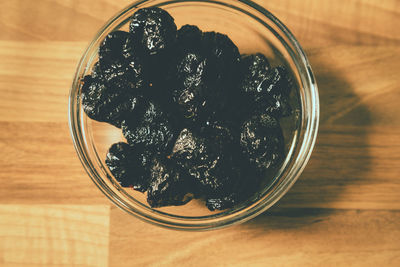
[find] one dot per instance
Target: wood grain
(280, 237)
(343, 211)
(53, 235)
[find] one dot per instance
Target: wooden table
(344, 210)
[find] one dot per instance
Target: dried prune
(126, 77)
(154, 29)
(153, 130)
(96, 72)
(243, 189)
(111, 92)
(261, 141)
(104, 104)
(279, 86)
(264, 89)
(153, 114)
(224, 57)
(255, 68)
(153, 136)
(92, 97)
(188, 37)
(130, 166)
(222, 203)
(121, 65)
(168, 185)
(116, 46)
(189, 91)
(212, 169)
(205, 74)
(222, 51)
(224, 133)
(117, 107)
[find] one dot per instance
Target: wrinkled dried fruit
(104, 104)
(261, 141)
(154, 29)
(255, 67)
(92, 97)
(125, 77)
(168, 185)
(121, 65)
(222, 203)
(189, 37)
(222, 51)
(189, 90)
(205, 160)
(264, 90)
(117, 46)
(129, 166)
(153, 130)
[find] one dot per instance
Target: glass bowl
(253, 29)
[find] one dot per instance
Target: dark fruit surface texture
(190, 89)
(168, 186)
(121, 64)
(223, 53)
(189, 37)
(102, 103)
(221, 203)
(153, 130)
(200, 120)
(266, 89)
(130, 166)
(117, 46)
(154, 29)
(261, 141)
(206, 161)
(255, 68)
(204, 73)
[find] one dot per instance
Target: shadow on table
(340, 158)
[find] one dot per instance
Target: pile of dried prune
(200, 120)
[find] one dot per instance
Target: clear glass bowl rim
(310, 115)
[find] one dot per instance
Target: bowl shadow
(340, 158)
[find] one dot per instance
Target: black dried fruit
(96, 72)
(120, 64)
(261, 141)
(222, 203)
(221, 132)
(168, 185)
(129, 166)
(116, 46)
(154, 29)
(205, 72)
(224, 59)
(211, 168)
(117, 107)
(190, 89)
(126, 77)
(92, 97)
(188, 37)
(154, 114)
(222, 51)
(157, 137)
(153, 130)
(279, 86)
(105, 104)
(255, 67)
(264, 90)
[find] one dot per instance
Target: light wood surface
(343, 211)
